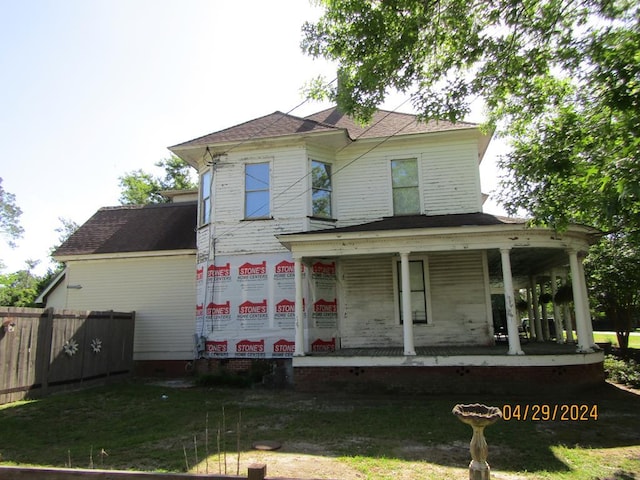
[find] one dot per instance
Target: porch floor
(499, 349)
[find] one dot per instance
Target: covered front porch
(466, 258)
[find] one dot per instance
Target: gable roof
(383, 124)
(135, 228)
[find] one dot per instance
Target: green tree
(613, 267)
(20, 289)
(558, 77)
(139, 187)
(10, 213)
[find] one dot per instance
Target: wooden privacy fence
(44, 350)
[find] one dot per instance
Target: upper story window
(205, 198)
(404, 182)
(256, 190)
(321, 189)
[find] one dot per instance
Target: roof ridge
(148, 205)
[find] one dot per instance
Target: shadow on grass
(151, 427)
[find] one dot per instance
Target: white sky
(93, 89)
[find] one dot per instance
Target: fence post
(45, 355)
(257, 471)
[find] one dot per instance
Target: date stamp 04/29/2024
(543, 412)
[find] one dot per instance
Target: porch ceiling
(526, 262)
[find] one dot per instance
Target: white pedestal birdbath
(478, 416)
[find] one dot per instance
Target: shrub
(622, 371)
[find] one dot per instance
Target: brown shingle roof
(277, 124)
(139, 228)
(383, 124)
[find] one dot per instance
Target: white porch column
(532, 324)
(299, 309)
(544, 320)
(568, 324)
(585, 306)
(510, 304)
(407, 319)
(583, 344)
(556, 308)
(536, 310)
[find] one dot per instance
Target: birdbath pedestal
(479, 417)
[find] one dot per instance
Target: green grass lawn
(602, 337)
(329, 435)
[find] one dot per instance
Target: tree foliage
(139, 187)
(613, 267)
(10, 213)
(559, 77)
(20, 289)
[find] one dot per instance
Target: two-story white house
(362, 256)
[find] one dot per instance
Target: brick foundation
(470, 379)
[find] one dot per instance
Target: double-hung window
(321, 189)
(205, 198)
(256, 190)
(418, 291)
(404, 183)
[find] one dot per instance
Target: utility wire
(384, 140)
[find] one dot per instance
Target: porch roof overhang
(533, 248)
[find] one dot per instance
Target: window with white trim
(256, 190)
(404, 183)
(205, 197)
(417, 280)
(320, 189)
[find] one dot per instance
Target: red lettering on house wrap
(284, 346)
(286, 306)
(199, 310)
(285, 267)
(324, 268)
(247, 346)
(252, 307)
(213, 346)
(219, 271)
(320, 345)
(253, 269)
(200, 273)
(219, 309)
(323, 306)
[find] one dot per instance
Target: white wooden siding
(450, 181)
(289, 198)
(457, 293)
(161, 290)
(367, 305)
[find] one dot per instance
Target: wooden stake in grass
(186, 460)
(206, 442)
(195, 449)
(238, 441)
(91, 457)
(224, 440)
(219, 452)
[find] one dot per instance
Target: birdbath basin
(479, 417)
